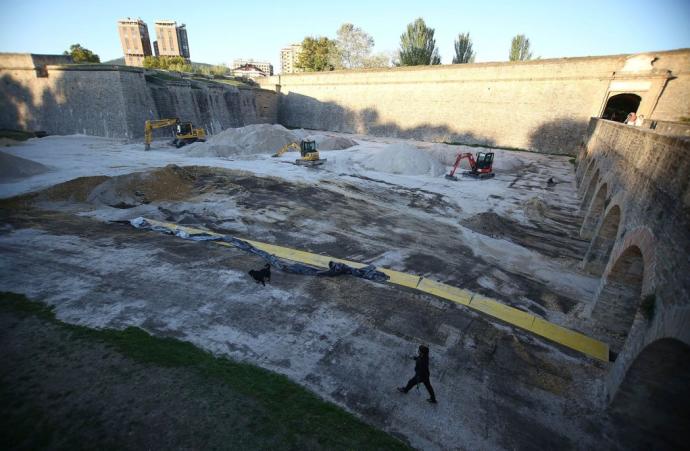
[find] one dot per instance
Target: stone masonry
(542, 105)
(115, 101)
(644, 178)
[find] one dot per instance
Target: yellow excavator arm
(153, 124)
(285, 148)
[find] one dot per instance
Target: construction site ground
(514, 238)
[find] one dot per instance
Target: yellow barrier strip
(566, 337)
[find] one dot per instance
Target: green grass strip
(294, 413)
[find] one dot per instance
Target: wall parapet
(541, 105)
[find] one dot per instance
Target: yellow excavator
(307, 149)
(185, 132)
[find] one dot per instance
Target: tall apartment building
(134, 37)
(263, 66)
(171, 39)
(288, 58)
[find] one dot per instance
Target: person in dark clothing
(421, 374)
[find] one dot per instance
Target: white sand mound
(14, 168)
(404, 159)
(249, 140)
(330, 142)
(325, 141)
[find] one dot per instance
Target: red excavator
(481, 167)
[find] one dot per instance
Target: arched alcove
(619, 106)
(593, 182)
(594, 213)
(650, 409)
(619, 298)
(600, 249)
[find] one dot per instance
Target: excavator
(185, 132)
(480, 167)
(307, 149)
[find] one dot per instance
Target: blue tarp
(334, 269)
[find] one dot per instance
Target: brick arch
(591, 167)
(603, 243)
(653, 397)
(627, 279)
(619, 298)
(581, 175)
(591, 187)
(643, 238)
(595, 211)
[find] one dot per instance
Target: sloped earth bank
(348, 340)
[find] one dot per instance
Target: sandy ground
(512, 237)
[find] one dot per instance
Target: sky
(220, 31)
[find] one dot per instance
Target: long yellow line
(518, 318)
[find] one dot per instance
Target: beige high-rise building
(171, 39)
(288, 58)
(134, 37)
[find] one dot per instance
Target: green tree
(463, 49)
(520, 48)
(317, 54)
(80, 54)
(418, 46)
(176, 63)
(219, 69)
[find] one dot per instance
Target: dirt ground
(346, 339)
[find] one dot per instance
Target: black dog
(262, 275)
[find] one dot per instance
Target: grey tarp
(334, 269)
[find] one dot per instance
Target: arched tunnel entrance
(620, 298)
(601, 246)
(618, 106)
(651, 409)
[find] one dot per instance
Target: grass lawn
(215, 402)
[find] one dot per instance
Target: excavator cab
(184, 128)
(310, 156)
(484, 160)
(307, 147)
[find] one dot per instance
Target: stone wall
(644, 178)
(668, 127)
(542, 105)
(115, 101)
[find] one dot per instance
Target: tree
(354, 46)
(176, 63)
(317, 54)
(520, 48)
(80, 54)
(463, 49)
(377, 60)
(418, 46)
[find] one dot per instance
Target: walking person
(421, 374)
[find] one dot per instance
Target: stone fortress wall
(635, 187)
(41, 92)
(541, 105)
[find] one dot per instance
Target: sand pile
(126, 191)
(14, 168)
(325, 141)
(404, 159)
(330, 142)
(249, 140)
(535, 208)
